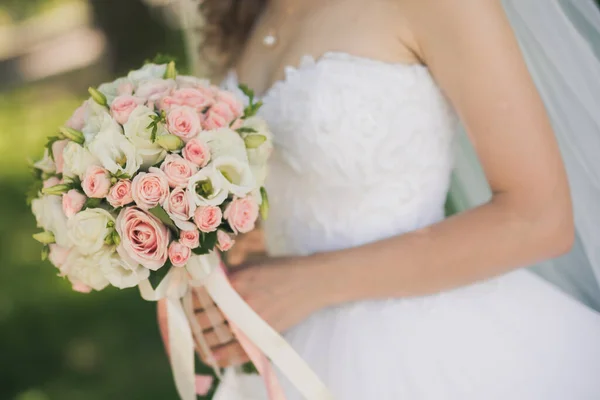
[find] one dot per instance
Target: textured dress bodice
(362, 152)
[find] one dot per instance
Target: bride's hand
(246, 245)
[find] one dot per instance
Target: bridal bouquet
(149, 179)
(150, 170)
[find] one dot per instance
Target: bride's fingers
(251, 242)
(201, 299)
(218, 336)
(209, 317)
(231, 355)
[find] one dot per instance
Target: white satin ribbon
(205, 271)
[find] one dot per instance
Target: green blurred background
(56, 344)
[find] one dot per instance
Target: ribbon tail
(181, 350)
(265, 338)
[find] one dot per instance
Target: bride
(372, 286)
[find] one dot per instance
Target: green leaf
(157, 276)
(226, 227)
(162, 215)
(247, 91)
(161, 58)
(92, 203)
(208, 241)
(45, 252)
(249, 368)
(34, 191)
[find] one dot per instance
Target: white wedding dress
(364, 152)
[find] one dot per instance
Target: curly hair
(227, 24)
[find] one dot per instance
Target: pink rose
(52, 181)
(218, 116)
(196, 151)
(242, 214)
(72, 202)
(155, 89)
(150, 189)
(77, 120)
(120, 194)
(80, 287)
(58, 255)
(190, 239)
(144, 239)
(96, 182)
(208, 218)
(122, 107)
(57, 153)
(196, 98)
(235, 105)
(183, 122)
(180, 208)
(179, 254)
(224, 241)
(178, 170)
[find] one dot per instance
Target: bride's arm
(473, 55)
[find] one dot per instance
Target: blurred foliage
(18, 10)
(56, 344)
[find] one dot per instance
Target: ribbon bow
(261, 342)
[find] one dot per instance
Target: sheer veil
(560, 40)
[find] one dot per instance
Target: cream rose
(138, 131)
(208, 218)
(196, 151)
(72, 202)
(183, 122)
(144, 239)
(85, 271)
(96, 182)
(58, 255)
(259, 155)
(122, 272)
(178, 170)
(241, 214)
(120, 194)
(150, 189)
(180, 207)
(46, 164)
(77, 160)
(49, 215)
(88, 228)
(224, 142)
(179, 254)
(97, 120)
(146, 73)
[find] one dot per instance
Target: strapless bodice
(363, 151)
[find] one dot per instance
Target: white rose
(258, 156)
(46, 164)
(136, 129)
(116, 88)
(86, 270)
(147, 72)
(97, 119)
(237, 175)
(122, 273)
(88, 228)
(48, 212)
(116, 152)
(224, 142)
(77, 160)
(208, 187)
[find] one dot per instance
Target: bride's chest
(357, 114)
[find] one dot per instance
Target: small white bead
(269, 40)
